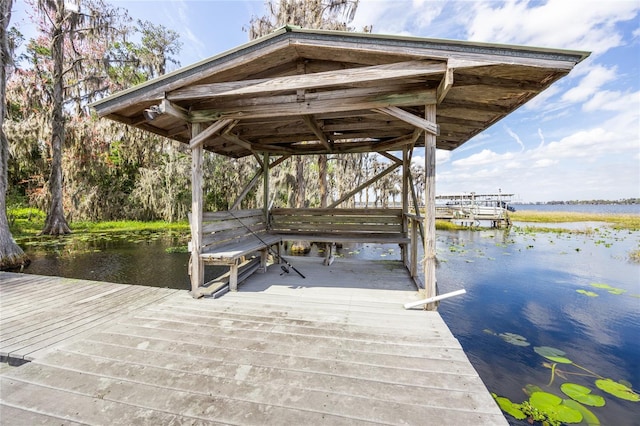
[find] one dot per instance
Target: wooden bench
(230, 237)
(383, 226)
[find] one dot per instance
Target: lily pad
(582, 394)
(551, 405)
(617, 389)
(610, 289)
(509, 407)
(587, 293)
(514, 339)
(553, 354)
(587, 415)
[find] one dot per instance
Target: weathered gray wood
(400, 114)
(217, 127)
(371, 181)
(430, 209)
(195, 218)
(281, 350)
(340, 100)
(310, 81)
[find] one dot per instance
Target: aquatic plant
(587, 293)
(582, 394)
(553, 410)
(612, 290)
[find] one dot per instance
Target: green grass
(26, 224)
(617, 221)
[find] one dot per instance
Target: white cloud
(555, 23)
(484, 157)
(515, 136)
(597, 76)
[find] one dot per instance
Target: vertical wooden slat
(197, 265)
(430, 208)
(406, 170)
(414, 248)
(265, 174)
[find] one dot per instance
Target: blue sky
(580, 139)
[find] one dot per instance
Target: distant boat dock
(471, 209)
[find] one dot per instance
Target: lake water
(582, 208)
(525, 283)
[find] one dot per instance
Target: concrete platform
(335, 348)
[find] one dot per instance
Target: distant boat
(494, 207)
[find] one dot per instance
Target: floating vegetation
(177, 249)
(514, 339)
(553, 410)
(582, 394)
(514, 410)
(587, 293)
(617, 389)
(552, 354)
(610, 289)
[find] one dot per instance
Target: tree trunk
(56, 224)
(11, 255)
(322, 170)
(301, 192)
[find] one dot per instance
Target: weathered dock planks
(336, 348)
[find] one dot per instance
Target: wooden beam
(215, 128)
(430, 209)
(256, 178)
(317, 80)
(407, 117)
(445, 85)
(374, 179)
(313, 125)
(319, 103)
(197, 264)
(399, 143)
(391, 157)
(237, 140)
(169, 108)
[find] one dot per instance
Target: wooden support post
(265, 169)
(430, 208)
(406, 171)
(414, 248)
(197, 265)
(233, 277)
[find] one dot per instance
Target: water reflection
(525, 283)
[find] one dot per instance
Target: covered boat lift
(303, 92)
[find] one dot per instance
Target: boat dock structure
(337, 347)
(333, 344)
(472, 209)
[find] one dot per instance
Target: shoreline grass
(617, 221)
(28, 222)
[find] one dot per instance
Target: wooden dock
(334, 348)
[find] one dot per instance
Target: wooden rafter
(445, 85)
(213, 129)
(255, 179)
(324, 102)
(374, 179)
(408, 117)
(309, 81)
(322, 137)
(169, 108)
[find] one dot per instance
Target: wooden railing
(415, 228)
